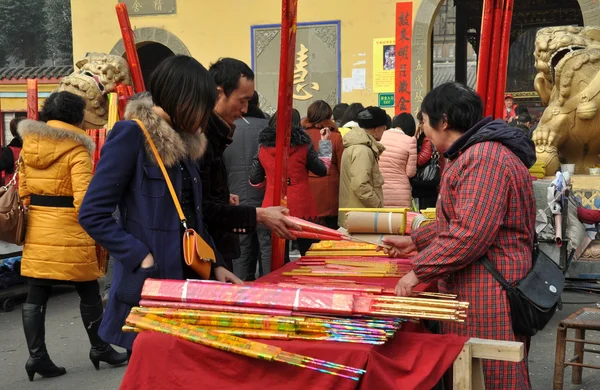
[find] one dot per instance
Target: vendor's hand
(148, 261)
(234, 200)
(325, 133)
(274, 218)
(406, 284)
(399, 246)
(224, 275)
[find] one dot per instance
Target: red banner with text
(403, 56)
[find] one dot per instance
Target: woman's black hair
(458, 104)
(63, 106)
(185, 90)
(351, 113)
(388, 123)
(14, 124)
(319, 111)
(295, 119)
(339, 110)
(406, 122)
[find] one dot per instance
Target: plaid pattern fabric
(487, 196)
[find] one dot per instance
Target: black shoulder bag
(533, 300)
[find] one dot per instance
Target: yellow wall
(12, 104)
(213, 29)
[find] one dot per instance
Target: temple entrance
(151, 54)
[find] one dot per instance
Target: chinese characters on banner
(384, 64)
(149, 7)
(403, 56)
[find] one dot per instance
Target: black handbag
(430, 174)
(534, 299)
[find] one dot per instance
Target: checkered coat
(487, 197)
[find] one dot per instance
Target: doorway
(151, 54)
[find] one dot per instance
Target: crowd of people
(207, 128)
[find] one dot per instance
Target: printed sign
(386, 100)
(149, 7)
(384, 64)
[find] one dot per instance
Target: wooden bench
(468, 368)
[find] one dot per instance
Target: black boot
(34, 325)
(101, 351)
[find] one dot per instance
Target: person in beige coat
(399, 162)
(360, 179)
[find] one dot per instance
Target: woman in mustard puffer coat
(55, 171)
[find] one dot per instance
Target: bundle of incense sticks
(351, 268)
(305, 299)
(365, 331)
(241, 346)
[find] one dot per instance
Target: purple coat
(127, 177)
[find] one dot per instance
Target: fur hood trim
(299, 137)
(28, 127)
(173, 146)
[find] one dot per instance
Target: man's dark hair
(14, 124)
(523, 118)
(65, 107)
(295, 119)
(318, 111)
(521, 110)
(253, 110)
(227, 73)
(458, 104)
(406, 122)
(339, 110)
(351, 113)
(184, 89)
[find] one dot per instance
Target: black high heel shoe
(44, 367)
(105, 353)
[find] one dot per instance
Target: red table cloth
(413, 359)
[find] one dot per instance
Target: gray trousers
(255, 249)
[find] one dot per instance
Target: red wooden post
(485, 47)
(32, 99)
(504, 52)
(130, 49)
(289, 9)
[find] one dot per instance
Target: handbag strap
(495, 273)
(164, 172)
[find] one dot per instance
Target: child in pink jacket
(398, 163)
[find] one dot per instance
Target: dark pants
(255, 249)
(89, 293)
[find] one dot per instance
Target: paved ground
(68, 346)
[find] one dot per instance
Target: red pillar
(32, 99)
(503, 63)
(289, 10)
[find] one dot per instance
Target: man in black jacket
(222, 213)
(255, 247)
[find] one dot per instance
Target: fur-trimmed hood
(44, 143)
(299, 137)
(173, 146)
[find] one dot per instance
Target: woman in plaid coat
(486, 208)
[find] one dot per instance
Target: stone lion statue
(96, 75)
(568, 82)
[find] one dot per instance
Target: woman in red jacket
(325, 188)
(302, 158)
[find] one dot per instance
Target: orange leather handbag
(197, 253)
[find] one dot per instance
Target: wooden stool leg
(559, 359)
(577, 370)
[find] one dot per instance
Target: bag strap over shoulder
(161, 165)
(495, 273)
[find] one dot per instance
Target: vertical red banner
(32, 99)
(403, 56)
(130, 47)
(289, 10)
